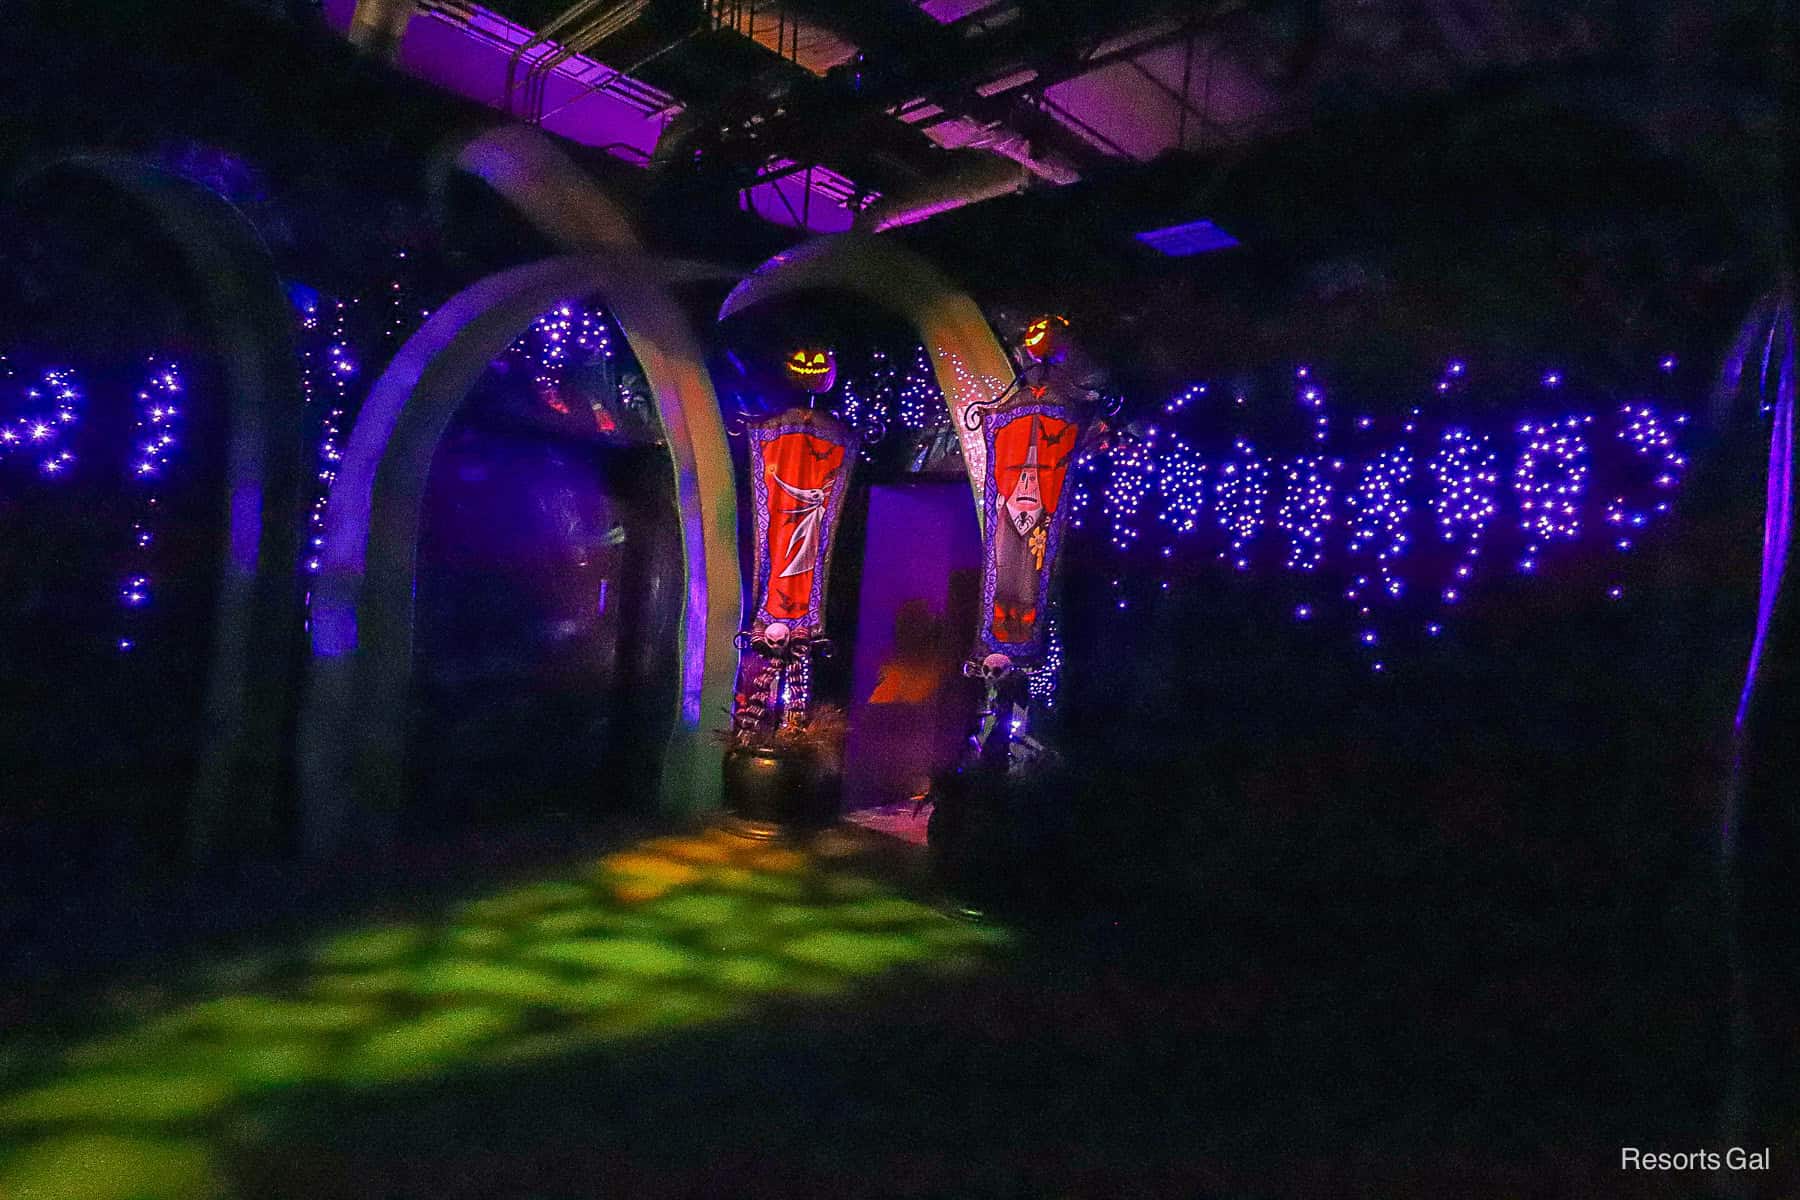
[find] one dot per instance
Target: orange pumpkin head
(811, 368)
(1046, 339)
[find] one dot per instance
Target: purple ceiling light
(1195, 237)
(948, 12)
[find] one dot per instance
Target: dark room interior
(898, 599)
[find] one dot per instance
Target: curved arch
(248, 698)
(537, 177)
(352, 730)
(967, 358)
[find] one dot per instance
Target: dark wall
(101, 744)
(1552, 741)
(547, 595)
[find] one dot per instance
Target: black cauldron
(790, 787)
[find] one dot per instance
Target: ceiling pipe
(609, 20)
(986, 177)
(1001, 138)
(574, 12)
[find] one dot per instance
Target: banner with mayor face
(1030, 448)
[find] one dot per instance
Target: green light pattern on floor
(670, 934)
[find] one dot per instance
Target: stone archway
(353, 725)
(249, 690)
(970, 365)
(966, 356)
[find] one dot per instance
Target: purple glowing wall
(910, 707)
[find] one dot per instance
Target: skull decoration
(811, 369)
(780, 642)
(1046, 339)
(991, 669)
(762, 700)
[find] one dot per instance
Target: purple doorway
(910, 706)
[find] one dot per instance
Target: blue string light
(1383, 493)
(332, 358)
(1651, 439)
(1181, 400)
(1380, 514)
(45, 416)
(1043, 682)
(159, 406)
(1304, 513)
(1181, 486)
(1240, 496)
(1126, 489)
(1466, 500)
(1550, 481)
(921, 403)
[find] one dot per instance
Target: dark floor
(701, 1016)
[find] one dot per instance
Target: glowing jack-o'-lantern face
(1046, 339)
(811, 369)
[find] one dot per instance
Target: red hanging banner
(1030, 447)
(800, 465)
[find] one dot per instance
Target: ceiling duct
(963, 133)
(982, 175)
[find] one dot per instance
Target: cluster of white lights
(568, 333)
(1312, 398)
(1240, 496)
(1042, 682)
(339, 367)
(1379, 508)
(970, 387)
(1460, 484)
(400, 322)
(1181, 485)
(1551, 480)
(921, 404)
(796, 686)
(1127, 487)
(159, 406)
(850, 408)
(1304, 513)
(48, 413)
(330, 382)
(1081, 495)
(156, 420)
(971, 390)
(866, 402)
(1466, 499)
(1379, 515)
(1651, 439)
